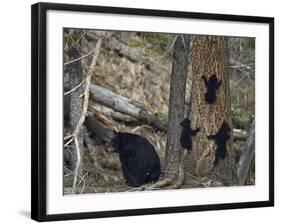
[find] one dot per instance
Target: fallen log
(115, 115)
(124, 105)
(239, 134)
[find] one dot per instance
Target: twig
(69, 174)
(170, 48)
(184, 44)
(67, 137)
(71, 140)
(68, 148)
(236, 84)
(80, 58)
(73, 89)
(72, 40)
(84, 182)
(247, 66)
(140, 188)
(84, 109)
(240, 52)
(81, 179)
(66, 42)
(81, 36)
(78, 154)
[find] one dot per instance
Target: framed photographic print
(139, 111)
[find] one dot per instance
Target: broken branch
(84, 110)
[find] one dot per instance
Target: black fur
(139, 160)
(212, 86)
(221, 139)
(187, 133)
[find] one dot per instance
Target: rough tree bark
(75, 101)
(176, 105)
(210, 56)
(247, 157)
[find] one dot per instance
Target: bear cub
(221, 139)
(212, 86)
(186, 134)
(139, 160)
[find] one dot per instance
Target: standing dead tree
(247, 157)
(75, 101)
(176, 107)
(209, 59)
(76, 136)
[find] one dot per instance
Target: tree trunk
(176, 105)
(75, 101)
(209, 56)
(247, 156)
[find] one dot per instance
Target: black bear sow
(187, 133)
(221, 139)
(139, 160)
(212, 85)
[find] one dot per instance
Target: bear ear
(185, 122)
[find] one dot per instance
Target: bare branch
(155, 186)
(66, 42)
(76, 87)
(240, 52)
(67, 137)
(170, 48)
(70, 140)
(81, 36)
(84, 182)
(80, 58)
(182, 37)
(247, 66)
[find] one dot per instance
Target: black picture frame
(39, 114)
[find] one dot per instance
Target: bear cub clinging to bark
(212, 86)
(186, 134)
(139, 160)
(221, 139)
